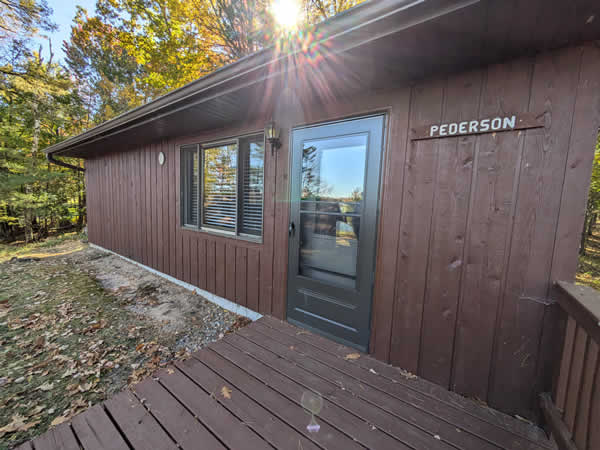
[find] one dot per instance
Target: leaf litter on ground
(67, 343)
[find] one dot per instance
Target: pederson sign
(478, 126)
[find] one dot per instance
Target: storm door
(332, 230)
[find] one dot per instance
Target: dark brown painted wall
(472, 230)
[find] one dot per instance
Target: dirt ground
(78, 324)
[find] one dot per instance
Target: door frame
(385, 114)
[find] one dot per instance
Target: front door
(333, 223)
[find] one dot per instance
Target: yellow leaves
(137, 375)
(352, 356)
(17, 424)
(226, 392)
(58, 420)
(406, 374)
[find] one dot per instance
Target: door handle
(292, 229)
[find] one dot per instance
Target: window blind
(252, 153)
(220, 186)
(191, 182)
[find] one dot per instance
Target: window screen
(252, 156)
(191, 183)
(220, 186)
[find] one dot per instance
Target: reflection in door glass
(333, 173)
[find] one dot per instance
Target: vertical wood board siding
(472, 229)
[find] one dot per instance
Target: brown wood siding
(472, 229)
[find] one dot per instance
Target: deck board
(245, 392)
(60, 437)
(406, 423)
(287, 410)
(449, 420)
(417, 387)
(173, 416)
(96, 431)
(137, 424)
(356, 428)
(224, 425)
(253, 414)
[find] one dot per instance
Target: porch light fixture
(272, 135)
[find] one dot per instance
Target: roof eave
(336, 28)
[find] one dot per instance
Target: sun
(286, 13)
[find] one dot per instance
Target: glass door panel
(333, 222)
(333, 179)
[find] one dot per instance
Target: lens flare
(286, 13)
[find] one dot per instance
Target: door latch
(292, 229)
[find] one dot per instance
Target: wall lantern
(272, 135)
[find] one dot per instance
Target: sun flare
(286, 13)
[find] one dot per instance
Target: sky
(63, 13)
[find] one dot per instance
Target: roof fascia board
(265, 60)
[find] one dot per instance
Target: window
(190, 184)
(222, 186)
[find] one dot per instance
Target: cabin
(408, 179)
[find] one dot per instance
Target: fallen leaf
(85, 387)
(406, 374)
(46, 387)
(352, 356)
(69, 372)
(18, 424)
(38, 409)
(226, 392)
(58, 420)
(39, 342)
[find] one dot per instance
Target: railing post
(573, 415)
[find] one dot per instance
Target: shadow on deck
(245, 392)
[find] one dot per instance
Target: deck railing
(573, 412)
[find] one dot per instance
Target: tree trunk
(591, 224)
(583, 240)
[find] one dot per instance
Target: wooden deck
(244, 392)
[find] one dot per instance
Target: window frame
(200, 147)
(186, 184)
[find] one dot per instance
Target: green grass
(588, 271)
(20, 249)
(65, 343)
